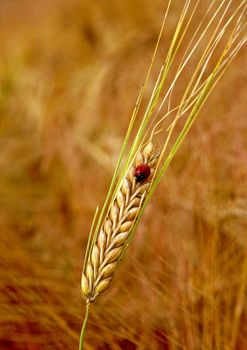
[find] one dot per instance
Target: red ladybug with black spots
(142, 172)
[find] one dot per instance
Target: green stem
(84, 326)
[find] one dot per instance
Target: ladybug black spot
(142, 172)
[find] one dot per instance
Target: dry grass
(70, 72)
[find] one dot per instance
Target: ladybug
(142, 172)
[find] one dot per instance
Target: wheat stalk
(127, 196)
(115, 232)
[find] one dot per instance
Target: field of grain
(70, 72)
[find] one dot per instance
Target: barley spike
(115, 231)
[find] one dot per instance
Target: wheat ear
(114, 235)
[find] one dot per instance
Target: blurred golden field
(70, 72)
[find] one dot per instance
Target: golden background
(70, 72)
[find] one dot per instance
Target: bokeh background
(70, 72)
